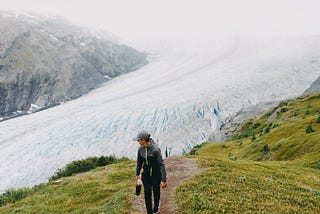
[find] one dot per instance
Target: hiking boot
(156, 210)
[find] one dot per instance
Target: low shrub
(265, 149)
(14, 195)
(85, 165)
(309, 129)
(11, 196)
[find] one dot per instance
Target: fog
(169, 18)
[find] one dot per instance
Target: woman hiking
(154, 173)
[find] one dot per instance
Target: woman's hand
(163, 184)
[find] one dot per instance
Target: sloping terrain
(271, 166)
(103, 190)
(107, 189)
(314, 88)
(184, 93)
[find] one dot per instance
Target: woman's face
(142, 142)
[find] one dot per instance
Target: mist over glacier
(183, 94)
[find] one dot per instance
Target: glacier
(186, 91)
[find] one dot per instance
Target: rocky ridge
(314, 87)
(232, 124)
(46, 61)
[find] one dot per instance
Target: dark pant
(148, 188)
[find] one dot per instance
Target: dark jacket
(152, 162)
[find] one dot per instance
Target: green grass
(84, 165)
(287, 137)
(245, 186)
(276, 172)
(102, 190)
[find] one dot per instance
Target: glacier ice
(185, 93)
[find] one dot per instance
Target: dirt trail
(178, 169)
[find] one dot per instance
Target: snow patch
(53, 37)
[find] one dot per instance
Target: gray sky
(176, 17)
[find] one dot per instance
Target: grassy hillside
(271, 166)
(281, 134)
(102, 190)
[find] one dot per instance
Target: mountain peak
(45, 61)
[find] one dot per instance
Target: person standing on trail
(154, 172)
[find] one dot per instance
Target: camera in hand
(138, 186)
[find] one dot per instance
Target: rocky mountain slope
(47, 61)
(232, 124)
